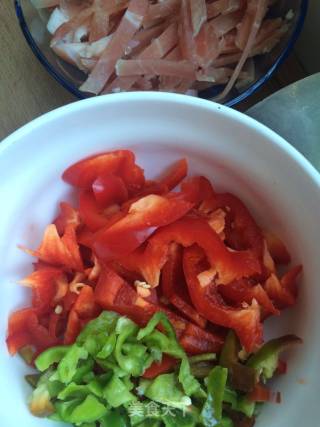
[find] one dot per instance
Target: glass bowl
(33, 25)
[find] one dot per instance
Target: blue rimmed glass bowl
(33, 25)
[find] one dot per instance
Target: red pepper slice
(175, 174)
(243, 232)
(242, 291)
(166, 365)
(197, 189)
(44, 286)
(277, 248)
(283, 292)
(174, 287)
(85, 304)
(93, 216)
(209, 303)
(24, 329)
(67, 216)
(73, 328)
(109, 189)
(144, 217)
(132, 175)
(61, 251)
(83, 173)
(188, 231)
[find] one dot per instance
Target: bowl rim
(232, 102)
(164, 97)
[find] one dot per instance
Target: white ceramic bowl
(236, 152)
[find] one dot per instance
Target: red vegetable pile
(136, 247)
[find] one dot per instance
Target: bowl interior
(33, 24)
(235, 152)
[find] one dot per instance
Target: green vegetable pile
(98, 380)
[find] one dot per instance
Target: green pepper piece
(84, 371)
(54, 388)
(88, 411)
(177, 418)
(265, 360)
(65, 409)
(68, 365)
(93, 336)
(116, 393)
(73, 390)
(50, 356)
(27, 353)
(32, 379)
(211, 412)
(230, 350)
(165, 389)
(166, 343)
(113, 418)
(131, 357)
(246, 406)
(205, 357)
(189, 383)
(108, 347)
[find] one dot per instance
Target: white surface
(233, 150)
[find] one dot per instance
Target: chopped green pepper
(265, 360)
(68, 365)
(88, 411)
(116, 393)
(51, 356)
(211, 412)
(230, 350)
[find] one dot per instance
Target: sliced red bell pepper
(73, 328)
(242, 291)
(198, 341)
(93, 216)
(243, 232)
(167, 364)
(61, 251)
(277, 248)
(197, 189)
(44, 283)
(244, 321)
(175, 174)
(289, 280)
(187, 310)
(132, 175)
(153, 187)
(83, 173)
(174, 288)
(109, 189)
(143, 218)
(188, 231)
(67, 216)
(283, 292)
(85, 304)
(24, 329)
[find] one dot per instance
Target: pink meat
(207, 46)
(156, 67)
(198, 15)
(156, 50)
(223, 7)
(186, 40)
(129, 25)
(225, 23)
(161, 10)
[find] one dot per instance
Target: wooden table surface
(27, 90)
